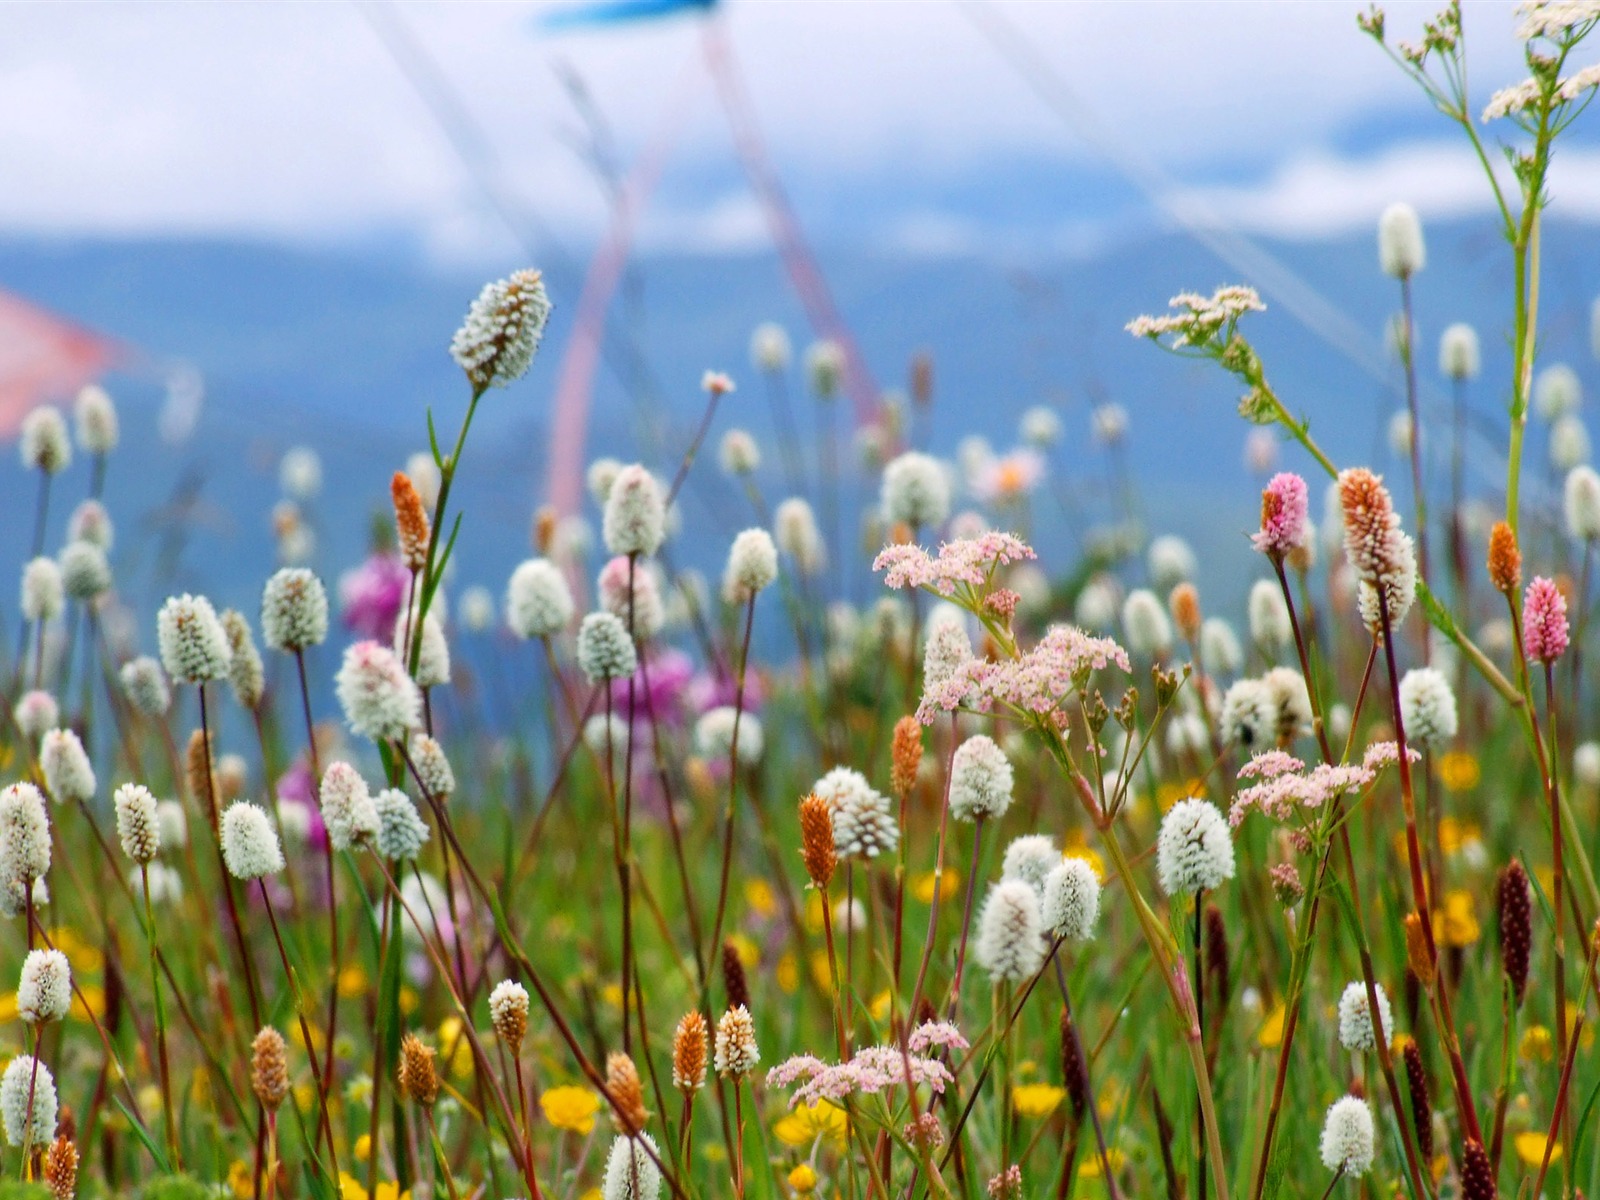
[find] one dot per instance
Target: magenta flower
(671, 673)
(1283, 515)
(1544, 621)
(371, 596)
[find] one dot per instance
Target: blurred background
(258, 225)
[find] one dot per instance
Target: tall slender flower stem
(1418, 493)
(431, 573)
(161, 1024)
(954, 1004)
(1557, 890)
(252, 988)
(327, 860)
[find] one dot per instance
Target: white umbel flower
(1355, 1018)
(144, 683)
(981, 780)
(752, 566)
(770, 349)
(379, 699)
(713, 735)
(43, 592)
(1030, 858)
(249, 843)
(138, 822)
(1401, 252)
(1458, 352)
(348, 811)
(635, 519)
(194, 648)
(85, 571)
(245, 675)
(631, 1174)
(44, 445)
(1581, 497)
(66, 768)
(24, 1126)
(795, 528)
(1348, 1137)
(916, 491)
(1557, 392)
(44, 992)
(36, 713)
(1145, 623)
(1010, 942)
(605, 651)
(502, 330)
(1270, 627)
(1428, 708)
(294, 610)
(95, 415)
(538, 600)
(1071, 900)
(736, 1053)
(401, 832)
(1193, 852)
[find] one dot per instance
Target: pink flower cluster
(1283, 515)
(936, 1033)
(1544, 621)
(1286, 785)
(873, 1069)
(968, 561)
(1035, 683)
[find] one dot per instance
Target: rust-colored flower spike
(61, 1168)
(410, 521)
(733, 977)
(1421, 1104)
(1477, 1176)
(1217, 967)
(899, 534)
(1417, 956)
(195, 774)
(626, 1091)
(545, 523)
(269, 1068)
(816, 839)
(1184, 604)
(691, 1047)
(1073, 1076)
(906, 755)
(419, 1081)
(1505, 560)
(1516, 927)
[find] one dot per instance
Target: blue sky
(892, 123)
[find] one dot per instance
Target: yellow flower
(1110, 1099)
(351, 1189)
(749, 952)
(612, 994)
(1272, 1028)
(570, 1108)
(758, 895)
(819, 969)
(1537, 1044)
(1170, 793)
(1458, 770)
(813, 920)
(1115, 1159)
(879, 1009)
(353, 982)
(949, 882)
(803, 1179)
(362, 1147)
(95, 995)
(86, 957)
(789, 973)
(1530, 1148)
(240, 1179)
(456, 1046)
(1077, 847)
(805, 1123)
(8, 1007)
(408, 999)
(1036, 1099)
(1456, 922)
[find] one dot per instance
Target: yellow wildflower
(1272, 1028)
(1110, 1099)
(803, 1179)
(949, 882)
(1455, 923)
(408, 999)
(611, 994)
(1537, 1044)
(353, 982)
(758, 895)
(1458, 770)
(362, 1147)
(1036, 1099)
(1077, 847)
(1115, 1159)
(879, 1008)
(789, 973)
(805, 1123)
(749, 952)
(1530, 1148)
(8, 1007)
(1170, 793)
(240, 1180)
(819, 969)
(570, 1108)
(94, 994)
(454, 1044)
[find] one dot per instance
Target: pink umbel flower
(968, 562)
(1286, 785)
(936, 1033)
(1544, 621)
(1033, 684)
(1283, 515)
(873, 1069)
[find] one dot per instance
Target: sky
(892, 124)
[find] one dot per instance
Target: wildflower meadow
(921, 854)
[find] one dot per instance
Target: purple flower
(1283, 515)
(1544, 621)
(671, 672)
(371, 596)
(716, 689)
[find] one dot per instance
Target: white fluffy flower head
(752, 566)
(1458, 352)
(916, 491)
(502, 330)
(1194, 851)
(24, 836)
(736, 1051)
(194, 648)
(795, 527)
(348, 812)
(635, 520)
(1071, 900)
(294, 610)
(1348, 1137)
(44, 445)
(24, 1126)
(1270, 627)
(770, 349)
(1030, 858)
(43, 591)
(605, 651)
(145, 685)
(379, 699)
(863, 826)
(1427, 707)
(981, 780)
(36, 713)
(1010, 942)
(1401, 252)
(249, 843)
(401, 832)
(138, 822)
(66, 768)
(85, 571)
(1145, 622)
(631, 1174)
(95, 415)
(44, 992)
(713, 735)
(538, 600)
(1355, 1018)
(1581, 501)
